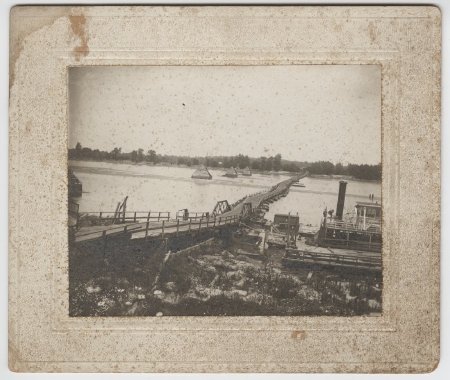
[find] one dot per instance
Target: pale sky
(304, 112)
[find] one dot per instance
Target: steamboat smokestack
(341, 200)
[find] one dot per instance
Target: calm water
(318, 193)
(171, 188)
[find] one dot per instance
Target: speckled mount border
(45, 41)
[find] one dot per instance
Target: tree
(76, 153)
(256, 165)
(321, 167)
(151, 155)
(269, 164)
(115, 153)
(277, 162)
(338, 168)
(140, 155)
(290, 167)
(263, 164)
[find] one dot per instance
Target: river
(161, 188)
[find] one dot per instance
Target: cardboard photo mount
(46, 40)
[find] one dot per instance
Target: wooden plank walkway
(96, 232)
(175, 228)
(305, 255)
(154, 229)
(257, 199)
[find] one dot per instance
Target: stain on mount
(78, 25)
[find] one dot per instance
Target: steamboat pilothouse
(361, 230)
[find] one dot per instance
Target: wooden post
(159, 215)
(264, 243)
(207, 222)
(146, 229)
(289, 227)
(135, 217)
(214, 221)
(100, 215)
(104, 243)
(168, 216)
(220, 220)
(162, 229)
(200, 224)
(116, 213)
(178, 226)
(190, 221)
(124, 208)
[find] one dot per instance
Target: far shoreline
(342, 177)
(262, 172)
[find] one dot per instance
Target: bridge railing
(161, 228)
(191, 215)
(173, 227)
(130, 216)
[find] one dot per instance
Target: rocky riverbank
(227, 277)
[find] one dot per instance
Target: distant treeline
(272, 163)
(369, 172)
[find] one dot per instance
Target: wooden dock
(336, 258)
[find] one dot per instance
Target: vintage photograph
(225, 190)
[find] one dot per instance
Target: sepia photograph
(225, 191)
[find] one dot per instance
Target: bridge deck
(154, 229)
(257, 199)
(168, 227)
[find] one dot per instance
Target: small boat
(231, 173)
(298, 184)
(202, 173)
(247, 172)
(75, 186)
(277, 241)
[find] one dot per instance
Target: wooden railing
(352, 244)
(333, 259)
(188, 226)
(131, 216)
(349, 226)
(191, 215)
(161, 229)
